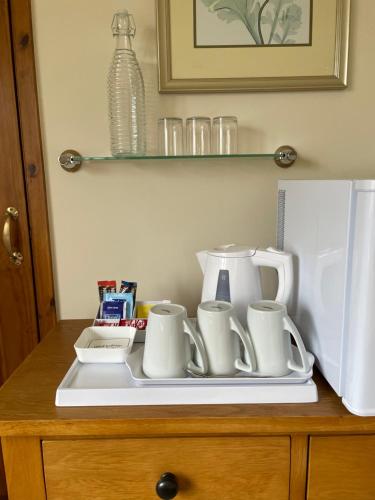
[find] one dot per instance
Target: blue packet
(124, 298)
(129, 287)
(113, 310)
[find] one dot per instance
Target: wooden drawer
(226, 467)
(341, 468)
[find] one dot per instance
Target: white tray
(112, 384)
(135, 358)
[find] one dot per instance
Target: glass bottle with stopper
(126, 93)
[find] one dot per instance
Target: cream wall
(144, 221)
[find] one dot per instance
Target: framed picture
(252, 45)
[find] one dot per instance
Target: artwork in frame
(237, 23)
(252, 45)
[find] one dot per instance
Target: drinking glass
(170, 136)
(224, 135)
(198, 135)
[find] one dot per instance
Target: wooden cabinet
(315, 451)
(223, 467)
(27, 307)
(341, 468)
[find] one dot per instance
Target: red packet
(138, 323)
(106, 322)
(108, 286)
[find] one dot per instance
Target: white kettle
(231, 273)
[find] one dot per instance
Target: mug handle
(191, 331)
(290, 328)
(236, 326)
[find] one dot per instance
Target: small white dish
(105, 344)
(135, 360)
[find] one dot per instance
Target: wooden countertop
(27, 406)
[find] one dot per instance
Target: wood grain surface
(298, 466)
(341, 468)
(3, 489)
(18, 326)
(27, 406)
(228, 468)
(27, 100)
(18, 316)
(23, 468)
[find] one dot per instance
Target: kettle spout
(202, 258)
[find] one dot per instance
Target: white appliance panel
(315, 227)
(359, 362)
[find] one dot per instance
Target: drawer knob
(167, 486)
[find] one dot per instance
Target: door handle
(11, 215)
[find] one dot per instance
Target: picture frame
(186, 66)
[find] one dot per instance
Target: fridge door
(359, 361)
(314, 225)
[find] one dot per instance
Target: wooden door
(18, 322)
(27, 307)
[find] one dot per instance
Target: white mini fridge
(330, 228)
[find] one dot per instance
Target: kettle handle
(283, 263)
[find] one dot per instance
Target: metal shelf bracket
(285, 156)
(68, 160)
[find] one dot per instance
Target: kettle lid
(232, 250)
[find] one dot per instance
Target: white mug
(168, 353)
(270, 330)
(221, 333)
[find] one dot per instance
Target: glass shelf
(177, 157)
(71, 160)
